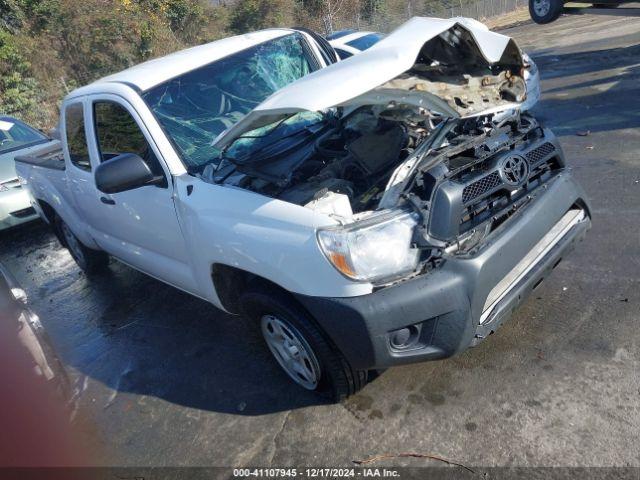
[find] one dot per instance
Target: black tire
(542, 15)
(337, 379)
(89, 260)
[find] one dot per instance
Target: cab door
(138, 226)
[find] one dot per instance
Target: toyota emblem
(514, 170)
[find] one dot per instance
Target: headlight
(378, 248)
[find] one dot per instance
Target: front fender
(267, 237)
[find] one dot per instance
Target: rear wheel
(299, 346)
(545, 11)
(90, 261)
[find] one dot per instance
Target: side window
(76, 136)
(117, 133)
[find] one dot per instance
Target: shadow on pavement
(586, 62)
(604, 12)
(606, 98)
(137, 335)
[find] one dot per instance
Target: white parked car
(364, 214)
(16, 138)
(347, 43)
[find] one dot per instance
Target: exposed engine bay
(353, 158)
(377, 158)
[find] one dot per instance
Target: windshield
(196, 107)
(15, 135)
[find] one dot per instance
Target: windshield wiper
(221, 179)
(240, 160)
(236, 161)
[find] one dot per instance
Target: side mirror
(125, 172)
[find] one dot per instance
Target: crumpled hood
(357, 80)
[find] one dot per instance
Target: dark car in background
(546, 11)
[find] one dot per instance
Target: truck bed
(49, 156)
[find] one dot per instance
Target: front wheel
(545, 11)
(299, 345)
(90, 261)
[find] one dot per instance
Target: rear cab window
(76, 136)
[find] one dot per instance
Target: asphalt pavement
(162, 378)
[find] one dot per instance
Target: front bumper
(15, 208)
(446, 310)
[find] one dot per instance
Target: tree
(11, 15)
(18, 90)
(327, 10)
(248, 15)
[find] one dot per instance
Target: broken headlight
(376, 249)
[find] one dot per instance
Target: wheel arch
(50, 215)
(48, 211)
(231, 282)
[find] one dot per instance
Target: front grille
(465, 198)
(539, 153)
(25, 212)
(479, 187)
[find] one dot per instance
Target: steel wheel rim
(73, 244)
(541, 7)
(291, 350)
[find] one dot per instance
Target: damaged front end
(445, 200)
(424, 163)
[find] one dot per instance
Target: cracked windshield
(196, 107)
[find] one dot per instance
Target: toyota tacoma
(390, 208)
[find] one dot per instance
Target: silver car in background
(16, 138)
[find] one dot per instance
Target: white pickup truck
(390, 208)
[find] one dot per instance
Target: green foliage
(18, 90)
(94, 40)
(40, 13)
(371, 8)
(11, 15)
(70, 43)
(182, 14)
(250, 15)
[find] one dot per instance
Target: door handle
(107, 201)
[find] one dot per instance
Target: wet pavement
(166, 379)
